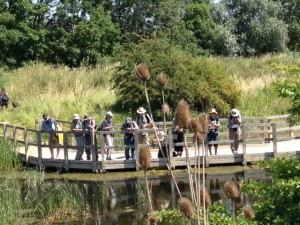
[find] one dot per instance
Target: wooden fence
(259, 131)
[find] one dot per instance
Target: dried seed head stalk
(142, 72)
(206, 196)
(145, 157)
(231, 189)
(153, 219)
(186, 207)
(249, 213)
(166, 109)
(182, 115)
(162, 80)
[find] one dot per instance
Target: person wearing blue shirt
(48, 124)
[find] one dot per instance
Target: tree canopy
(76, 33)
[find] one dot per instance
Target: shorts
(212, 137)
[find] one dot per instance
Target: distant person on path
(234, 124)
(127, 128)
(4, 98)
(107, 125)
(78, 133)
(213, 126)
(49, 124)
(178, 137)
(88, 125)
(144, 122)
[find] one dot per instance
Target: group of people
(84, 129)
(234, 123)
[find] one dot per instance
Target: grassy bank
(61, 91)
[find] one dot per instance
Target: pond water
(122, 202)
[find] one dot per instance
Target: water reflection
(123, 202)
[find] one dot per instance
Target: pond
(122, 201)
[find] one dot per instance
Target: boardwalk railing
(268, 132)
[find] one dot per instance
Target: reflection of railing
(254, 131)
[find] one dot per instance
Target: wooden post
(170, 144)
(102, 152)
(66, 151)
(244, 145)
(262, 128)
(274, 133)
(15, 138)
(93, 151)
(26, 145)
(39, 145)
(5, 131)
(269, 129)
(137, 150)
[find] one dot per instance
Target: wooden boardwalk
(261, 138)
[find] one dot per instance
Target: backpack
(4, 99)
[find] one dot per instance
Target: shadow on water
(123, 202)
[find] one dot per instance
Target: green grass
(61, 91)
(8, 158)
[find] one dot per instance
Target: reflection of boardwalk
(259, 140)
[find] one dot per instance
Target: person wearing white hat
(213, 125)
(234, 124)
(78, 133)
(107, 125)
(143, 121)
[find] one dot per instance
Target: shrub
(202, 82)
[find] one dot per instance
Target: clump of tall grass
(9, 159)
(10, 195)
(59, 91)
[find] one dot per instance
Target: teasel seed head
(199, 124)
(249, 213)
(182, 115)
(231, 189)
(166, 109)
(142, 72)
(186, 207)
(206, 196)
(153, 219)
(145, 157)
(162, 80)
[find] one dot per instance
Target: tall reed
(9, 159)
(10, 207)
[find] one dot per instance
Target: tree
(289, 87)
(254, 24)
(202, 82)
(199, 20)
(284, 208)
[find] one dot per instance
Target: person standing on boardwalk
(213, 133)
(88, 125)
(78, 133)
(234, 124)
(49, 124)
(107, 125)
(178, 137)
(127, 128)
(143, 121)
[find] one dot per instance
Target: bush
(202, 82)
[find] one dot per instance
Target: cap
(109, 113)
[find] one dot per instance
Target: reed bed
(59, 91)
